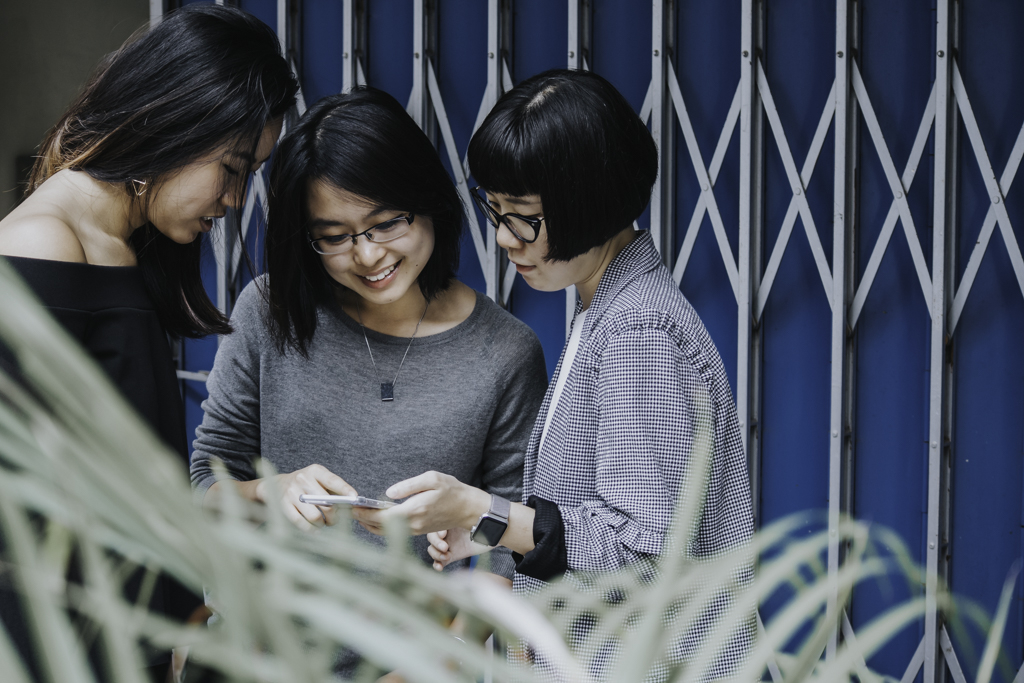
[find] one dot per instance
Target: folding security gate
(872, 327)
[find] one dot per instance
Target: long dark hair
(571, 138)
(365, 143)
(203, 77)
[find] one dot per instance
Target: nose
(505, 238)
(366, 252)
(234, 195)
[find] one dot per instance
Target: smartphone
(354, 501)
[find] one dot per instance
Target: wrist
(478, 502)
(254, 489)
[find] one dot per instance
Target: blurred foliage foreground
(81, 477)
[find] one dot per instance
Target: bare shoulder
(37, 234)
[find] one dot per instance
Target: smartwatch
(492, 524)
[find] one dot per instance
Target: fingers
(331, 481)
(375, 530)
(423, 482)
(313, 480)
(370, 519)
(436, 540)
(312, 514)
(438, 549)
(293, 515)
(437, 555)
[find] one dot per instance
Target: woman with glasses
(565, 167)
(366, 362)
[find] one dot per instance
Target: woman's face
(185, 202)
(379, 272)
(529, 257)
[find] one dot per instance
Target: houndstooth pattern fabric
(617, 450)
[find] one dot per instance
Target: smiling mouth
(382, 275)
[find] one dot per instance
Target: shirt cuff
(500, 563)
(549, 558)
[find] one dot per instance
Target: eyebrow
(331, 223)
(519, 201)
(244, 156)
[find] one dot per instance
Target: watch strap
(500, 508)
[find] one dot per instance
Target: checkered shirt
(616, 451)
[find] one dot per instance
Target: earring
(140, 187)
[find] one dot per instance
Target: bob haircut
(204, 77)
(362, 142)
(571, 138)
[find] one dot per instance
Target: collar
(637, 258)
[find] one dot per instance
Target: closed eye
(389, 226)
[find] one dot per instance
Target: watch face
(489, 531)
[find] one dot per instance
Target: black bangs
(507, 159)
(571, 138)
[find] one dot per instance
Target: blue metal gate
(836, 201)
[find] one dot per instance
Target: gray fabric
(464, 404)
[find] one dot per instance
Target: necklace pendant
(387, 391)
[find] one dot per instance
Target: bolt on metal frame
(752, 272)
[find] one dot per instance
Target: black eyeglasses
(525, 228)
(382, 232)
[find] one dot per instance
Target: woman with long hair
(565, 167)
(159, 144)
(366, 362)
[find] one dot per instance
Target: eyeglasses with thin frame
(524, 228)
(382, 232)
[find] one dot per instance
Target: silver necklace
(387, 389)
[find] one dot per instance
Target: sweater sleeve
(509, 433)
(644, 437)
(230, 431)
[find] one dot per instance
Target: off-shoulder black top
(107, 309)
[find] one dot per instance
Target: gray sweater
(465, 403)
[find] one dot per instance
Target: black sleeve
(548, 559)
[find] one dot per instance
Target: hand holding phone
(353, 501)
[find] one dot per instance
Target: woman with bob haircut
(366, 362)
(565, 167)
(160, 142)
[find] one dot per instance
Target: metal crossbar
(851, 641)
(997, 189)
(486, 258)
(915, 664)
(897, 185)
(701, 208)
(950, 655)
(707, 202)
(898, 206)
(773, 665)
(798, 182)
